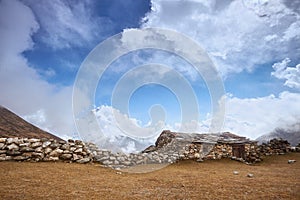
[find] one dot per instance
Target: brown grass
(273, 179)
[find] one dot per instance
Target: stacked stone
(275, 146)
(193, 151)
(220, 150)
(24, 149)
(121, 160)
(253, 154)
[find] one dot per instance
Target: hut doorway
(238, 150)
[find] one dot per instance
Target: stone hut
(207, 146)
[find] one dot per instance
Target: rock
(106, 162)
(13, 146)
(33, 140)
(2, 145)
(75, 157)
(235, 172)
(78, 142)
(65, 147)
(112, 158)
(197, 155)
(250, 175)
(54, 145)
(149, 149)
(127, 163)
(45, 144)
(53, 158)
(291, 161)
(48, 150)
(12, 140)
(8, 157)
(66, 156)
(2, 151)
(62, 142)
(13, 152)
(44, 139)
(37, 155)
(27, 144)
(72, 149)
(70, 141)
(83, 160)
(36, 144)
(20, 158)
(39, 149)
(26, 149)
(56, 153)
(79, 150)
(2, 140)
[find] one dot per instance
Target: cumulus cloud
(291, 75)
(22, 88)
(238, 35)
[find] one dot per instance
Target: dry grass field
(273, 179)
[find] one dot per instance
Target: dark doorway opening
(238, 150)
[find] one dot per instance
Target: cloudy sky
(253, 44)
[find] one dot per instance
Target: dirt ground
(273, 179)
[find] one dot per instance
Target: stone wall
(274, 146)
(24, 149)
(220, 151)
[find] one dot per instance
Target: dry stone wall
(169, 151)
(274, 146)
(24, 149)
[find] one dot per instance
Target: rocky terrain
(11, 125)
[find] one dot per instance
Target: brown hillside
(11, 125)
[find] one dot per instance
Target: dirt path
(273, 179)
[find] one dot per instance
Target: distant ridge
(291, 134)
(11, 125)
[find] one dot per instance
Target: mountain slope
(11, 125)
(291, 134)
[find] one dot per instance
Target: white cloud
(253, 117)
(65, 25)
(291, 75)
(22, 89)
(102, 127)
(237, 34)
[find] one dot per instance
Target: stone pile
(274, 146)
(24, 149)
(121, 160)
(253, 154)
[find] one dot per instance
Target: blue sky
(254, 46)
